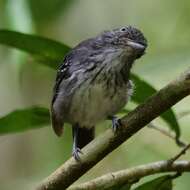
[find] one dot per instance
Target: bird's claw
(116, 123)
(76, 152)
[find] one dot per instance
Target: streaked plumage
(93, 82)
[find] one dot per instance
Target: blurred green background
(26, 158)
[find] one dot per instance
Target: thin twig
(182, 152)
(183, 114)
(168, 134)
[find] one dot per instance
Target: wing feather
(62, 74)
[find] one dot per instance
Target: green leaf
(24, 119)
(49, 51)
(160, 183)
(142, 91)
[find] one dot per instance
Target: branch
(123, 177)
(130, 176)
(95, 151)
(183, 151)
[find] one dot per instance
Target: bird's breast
(94, 102)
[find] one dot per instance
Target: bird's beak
(136, 46)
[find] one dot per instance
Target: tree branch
(183, 151)
(123, 177)
(71, 170)
(132, 175)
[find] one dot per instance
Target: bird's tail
(57, 123)
(85, 135)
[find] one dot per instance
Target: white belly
(92, 105)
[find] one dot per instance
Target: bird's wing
(63, 73)
(73, 61)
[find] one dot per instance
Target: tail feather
(85, 135)
(57, 123)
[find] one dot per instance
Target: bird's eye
(123, 29)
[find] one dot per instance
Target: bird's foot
(116, 123)
(76, 152)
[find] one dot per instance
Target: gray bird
(92, 83)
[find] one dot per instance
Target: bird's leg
(116, 123)
(76, 150)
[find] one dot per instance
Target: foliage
(24, 119)
(47, 51)
(160, 183)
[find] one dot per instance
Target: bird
(93, 83)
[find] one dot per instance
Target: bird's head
(128, 38)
